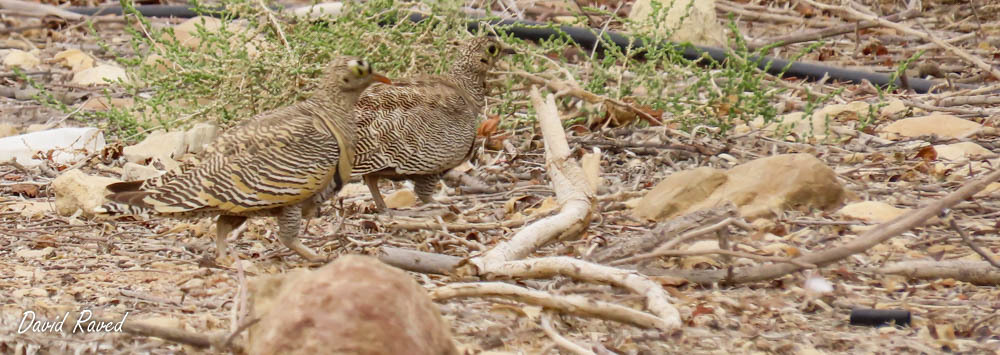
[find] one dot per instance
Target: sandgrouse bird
(421, 127)
(282, 163)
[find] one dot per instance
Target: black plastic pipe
(588, 38)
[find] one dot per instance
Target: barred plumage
(419, 128)
(282, 163)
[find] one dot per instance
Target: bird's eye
(492, 50)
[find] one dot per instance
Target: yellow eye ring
(492, 50)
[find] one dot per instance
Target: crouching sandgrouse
(283, 163)
(419, 128)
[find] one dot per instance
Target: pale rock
(186, 32)
(305, 312)
(702, 245)
(31, 254)
(75, 59)
(31, 209)
(768, 185)
(942, 125)
(871, 211)
(7, 130)
(69, 145)
(566, 20)
(961, 150)
(133, 172)
(353, 189)
(103, 74)
(158, 144)
(21, 59)
(758, 188)
(818, 125)
(37, 127)
(322, 10)
(401, 198)
(158, 62)
(75, 190)
(894, 109)
(678, 192)
(198, 136)
(699, 26)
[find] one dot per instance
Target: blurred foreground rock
(78, 191)
(354, 305)
(758, 188)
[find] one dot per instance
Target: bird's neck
(470, 79)
(336, 107)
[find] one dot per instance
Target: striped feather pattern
(425, 125)
(280, 163)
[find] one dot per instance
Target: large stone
(187, 31)
(355, 305)
(961, 150)
(942, 125)
(818, 124)
(871, 211)
(133, 172)
(100, 75)
(678, 192)
(698, 26)
(21, 59)
(78, 191)
(758, 188)
(159, 144)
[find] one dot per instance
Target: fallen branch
(418, 261)
(576, 199)
(873, 237)
(561, 340)
(976, 272)
(569, 183)
(39, 9)
(985, 254)
(571, 304)
(738, 254)
(562, 87)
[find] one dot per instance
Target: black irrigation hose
(588, 38)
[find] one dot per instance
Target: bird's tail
(126, 198)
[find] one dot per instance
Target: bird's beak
(381, 78)
(508, 50)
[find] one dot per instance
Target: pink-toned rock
(941, 125)
(355, 305)
(758, 188)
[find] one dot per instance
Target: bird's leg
(289, 222)
(372, 181)
(223, 226)
(424, 186)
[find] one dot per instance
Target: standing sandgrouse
(281, 163)
(419, 128)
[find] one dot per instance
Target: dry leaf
(488, 126)
(927, 153)
(29, 190)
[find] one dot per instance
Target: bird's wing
(275, 160)
(397, 122)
